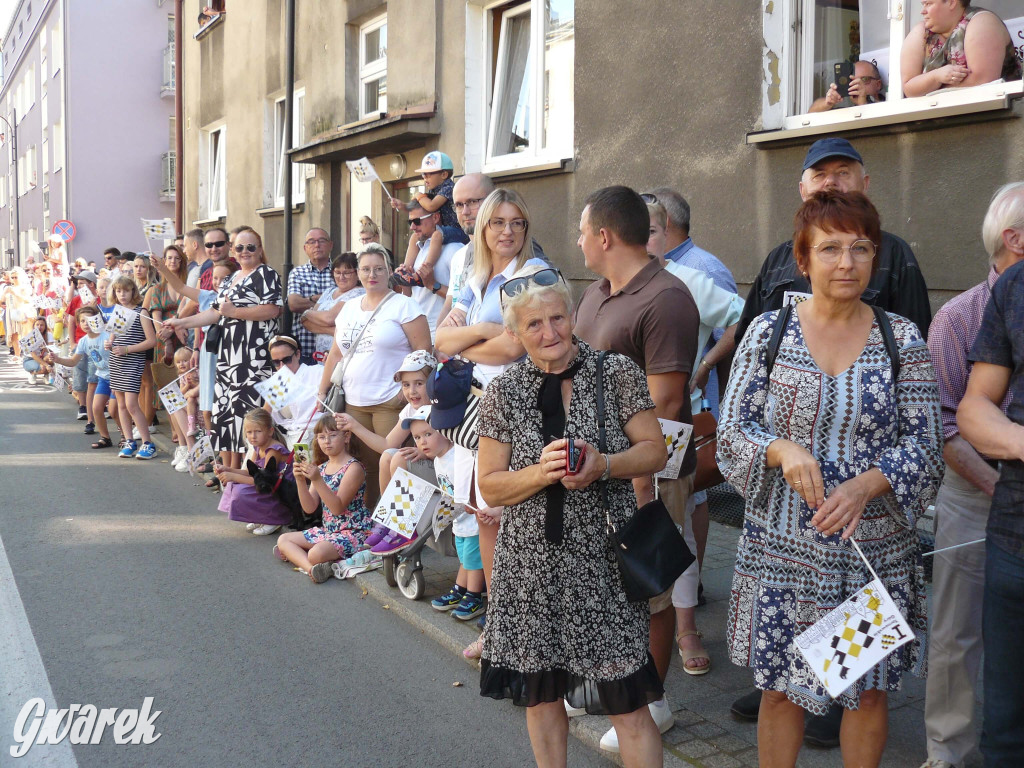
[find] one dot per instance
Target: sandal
(688, 656)
(205, 469)
(475, 649)
(103, 442)
(213, 484)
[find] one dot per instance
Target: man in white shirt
(432, 265)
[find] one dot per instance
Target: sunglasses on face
(215, 244)
(419, 220)
(543, 277)
(247, 247)
(283, 360)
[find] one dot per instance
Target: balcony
(167, 89)
(170, 167)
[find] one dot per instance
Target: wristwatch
(436, 288)
(606, 475)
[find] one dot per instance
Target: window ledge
(279, 210)
(209, 222)
(965, 101)
(531, 168)
(203, 30)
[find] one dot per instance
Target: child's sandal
(103, 442)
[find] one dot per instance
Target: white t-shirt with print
(465, 524)
(369, 374)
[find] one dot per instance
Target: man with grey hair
(306, 283)
(962, 506)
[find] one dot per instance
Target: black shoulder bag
(649, 548)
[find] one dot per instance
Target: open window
(373, 67)
(212, 173)
(280, 156)
(806, 39)
(530, 46)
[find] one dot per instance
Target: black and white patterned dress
(243, 359)
(126, 370)
(558, 622)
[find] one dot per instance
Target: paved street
(134, 586)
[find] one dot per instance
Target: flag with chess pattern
(677, 437)
(362, 169)
(198, 453)
(154, 228)
(95, 323)
(120, 319)
(86, 295)
(853, 637)
(32, 342)
(402, 504)
(172, 398)
(280, 390)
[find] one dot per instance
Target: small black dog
(269, 480)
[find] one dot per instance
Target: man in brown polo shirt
(647, 314)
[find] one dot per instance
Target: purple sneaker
(376, 536)
(392, 543)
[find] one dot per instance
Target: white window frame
(213, 197)
(786, 47)
(279, 158)
(58, 145)
(373, 70)
(482, 92)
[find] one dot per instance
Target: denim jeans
(30, 365)
(1002, 736)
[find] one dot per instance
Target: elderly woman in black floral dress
(559, 624)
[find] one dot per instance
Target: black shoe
(90, 428)
(823, 731)
(155, 422)
(701, 600)
(82, 413)
(746, 707)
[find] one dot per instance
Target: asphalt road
(134, 586)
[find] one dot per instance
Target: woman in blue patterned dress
(827, 447)
(338, 486)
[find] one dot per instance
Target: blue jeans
(1002, 735)
(30, 365)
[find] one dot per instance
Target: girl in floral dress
(338, 485)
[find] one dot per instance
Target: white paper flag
(794, 297)
(61, 383)
(32, 342)
(198, 453)
(172, 398)
(402, 504)
(50, 303)
(677, 438)
(154, 228)
(362, 169)
(120, 319)
(86, 295)
(853, 637)
(95, 323)
(281, 389)
(445, 511)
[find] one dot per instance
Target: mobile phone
(300, 452)
(573, 456)
(843, 76)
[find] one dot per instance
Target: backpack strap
(781, 321)
(889, 339)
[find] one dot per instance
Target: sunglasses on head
(215, 244)
(283, 360)
(242, 248)
(543, 277)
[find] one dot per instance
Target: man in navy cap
(897, 286)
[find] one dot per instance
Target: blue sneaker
(448, 600)
(147, 451)
(469, 608)
(127, 450)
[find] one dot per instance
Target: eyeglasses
(419, 220)
(464, 204)
(317, 241)
(543, 277)
(860, 251)
(283, 361)
(345, 273)
(364, 239)
(215, 244)
(373, 270)
(516, 225)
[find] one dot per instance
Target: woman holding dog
(559, 624)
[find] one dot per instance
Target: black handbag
(649, 548)
(214, 336)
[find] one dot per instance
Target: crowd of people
(472, 365)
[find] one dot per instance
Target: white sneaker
(180, 461)
(663, 718)
(251, 526)
(266, 530)
(136, 434)
(31, 378)
(572, 711)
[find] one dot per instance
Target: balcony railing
(167, 89)
(169, 163)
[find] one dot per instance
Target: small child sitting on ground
(337, 483)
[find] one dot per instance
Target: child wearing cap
(437, 172)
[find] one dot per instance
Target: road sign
(65, 230)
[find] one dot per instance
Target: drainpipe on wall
(65, 114)
(179, 128)
(289, 106)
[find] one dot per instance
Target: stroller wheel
(411, 584)
(388, 569)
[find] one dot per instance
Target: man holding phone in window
(864, 87)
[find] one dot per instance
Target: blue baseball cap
(448, 390)
(823, 149)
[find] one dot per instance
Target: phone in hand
(573, 456)
(843, 77)
(300, 452)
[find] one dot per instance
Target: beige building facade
(557, 98)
